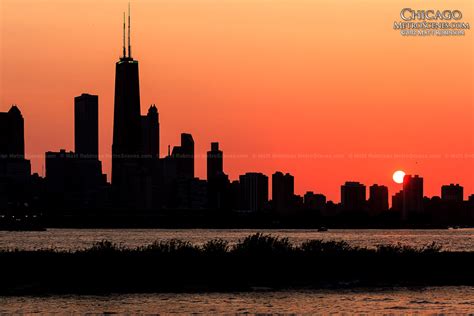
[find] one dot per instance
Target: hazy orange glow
(326, 87)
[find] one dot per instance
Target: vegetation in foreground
(257, 261)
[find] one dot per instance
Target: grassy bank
(256, 261)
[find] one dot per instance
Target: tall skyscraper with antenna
(126, 143)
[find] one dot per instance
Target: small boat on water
(322, 229)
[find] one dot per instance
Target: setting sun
(398, 176)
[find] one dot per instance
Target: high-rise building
(253, 191)
(12, 138)
(412, 196)
(180, 187)
(86, 126)
(85, 161)
(217, 181)
(13, 164)
(353, 196)
(15, 170)
(183, 157)
(214, 162)
(452, 192)
(283, 191)
(127, 141)
(132, 179)
(150, 127)
(378, 199)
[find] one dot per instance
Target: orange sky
(310, 82)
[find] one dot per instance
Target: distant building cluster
(144, 182)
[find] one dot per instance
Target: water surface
(383, 300)
(69, 239)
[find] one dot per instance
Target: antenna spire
(129, 45)
(124, 51)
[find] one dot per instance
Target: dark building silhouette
(470, 207)
(412, 197)
(127, 141)
(397, 201)
(15, 170)
(215, 163)
(86, 140)
(150, 127)
(12, 138)
(127, 129)
(314, 201)
(297, 204)
(235, 195)
(449, 209)
(218, 181)
(378, 199)
(74, 180)
(149, 165)
(452, 192)
(12, 146)
(183, 157)
(132, 179)
(283, 191)
(86, 125)
(353, 196)
(253, 191)
(178, 175)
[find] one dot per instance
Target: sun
(398, 176)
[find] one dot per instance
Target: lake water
(432, 300)
(69, 239)
(437, 300)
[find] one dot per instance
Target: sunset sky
(325, 90)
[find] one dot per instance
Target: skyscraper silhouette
(86, 125)
(214, 162)
(353, 196)
(150, 127)
(184, 157)
(13, 164)
(378, 199)
(412, 196)
(131, 177)
(452, 192)
(253, 191)
(74, 180)
(283, 191)
(217, 180)
(12, 138)
(15, 170)
(127, 129)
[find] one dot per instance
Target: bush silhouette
(261, 244)
(216, 247)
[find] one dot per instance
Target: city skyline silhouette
(310, 144)
(247, 157)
